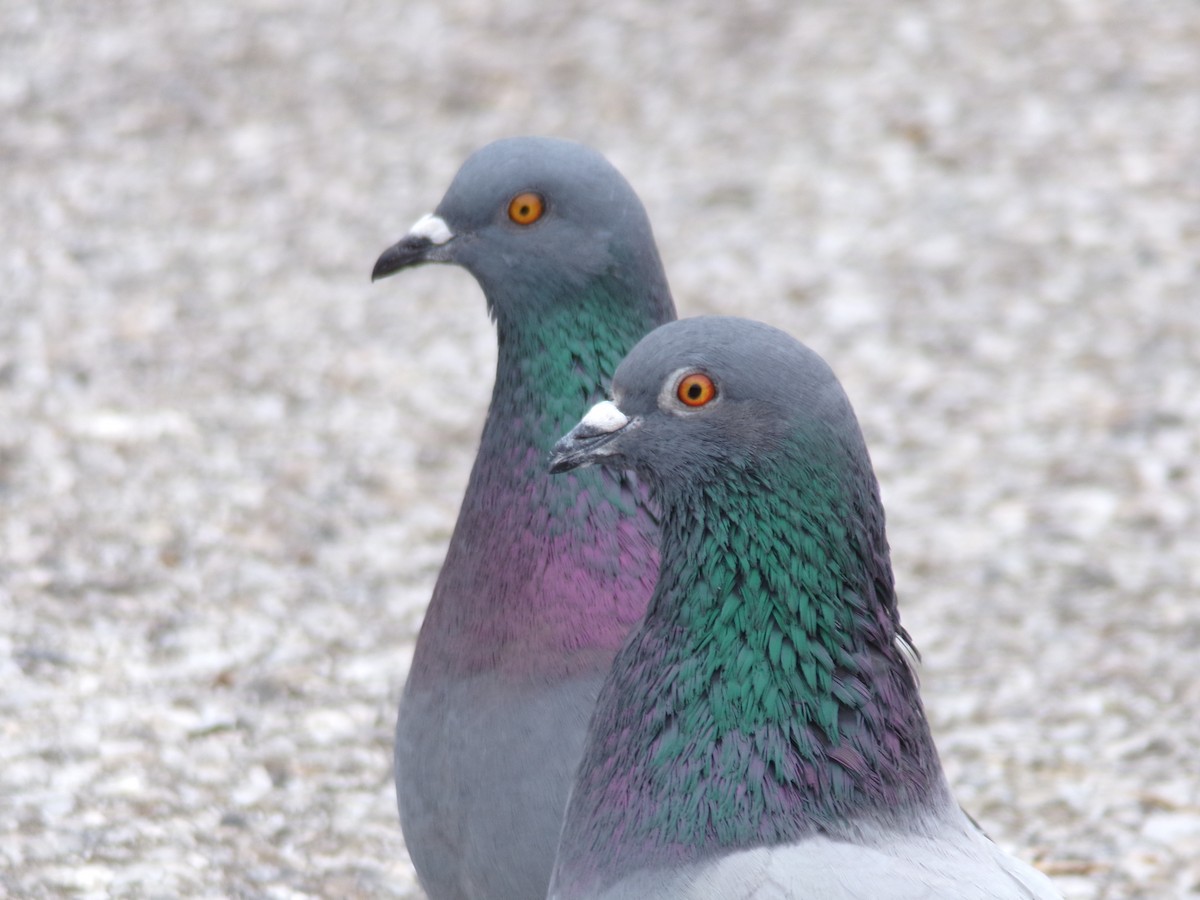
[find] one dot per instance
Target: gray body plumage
(945, 857)
(472, 795)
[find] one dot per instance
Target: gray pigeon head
(533, 218)
(712, 394)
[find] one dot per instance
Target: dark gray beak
(426, 242)
(592, 439)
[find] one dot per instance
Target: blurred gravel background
(229, 465)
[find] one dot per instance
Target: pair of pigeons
(663, 658)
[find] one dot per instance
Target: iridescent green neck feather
(765, 697)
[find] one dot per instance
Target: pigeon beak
(592, 439)
(425, 243)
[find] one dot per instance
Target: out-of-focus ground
(229, 465)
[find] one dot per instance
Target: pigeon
(760, 734)
(544, 577)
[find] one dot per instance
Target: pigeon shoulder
(821, 868)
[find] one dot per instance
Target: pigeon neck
(544, 574)
(765, 698)
(554, 361)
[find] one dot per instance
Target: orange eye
(696, 389)
(526, 208)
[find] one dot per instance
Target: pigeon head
(710, 395)
(535, 221)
